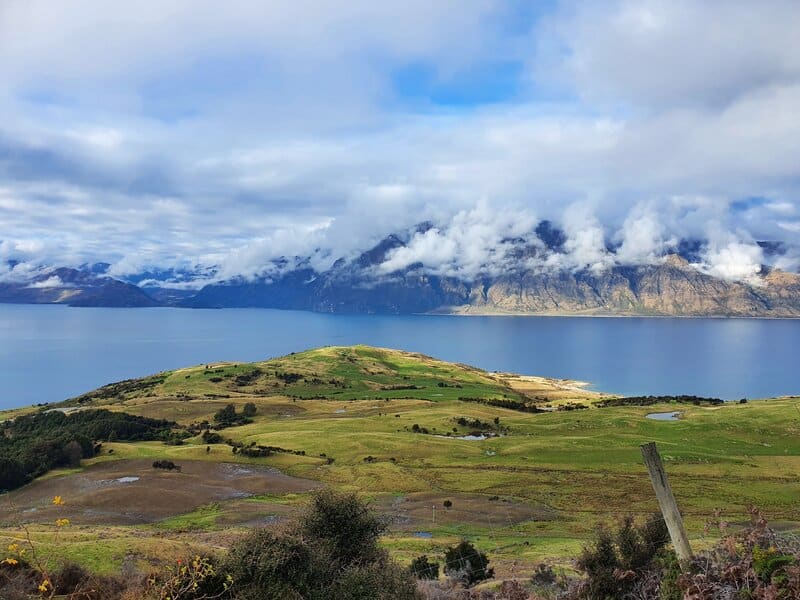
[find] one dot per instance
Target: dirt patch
(424, 511)
(127, 492)
(254, 514)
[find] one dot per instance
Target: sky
(190, 132)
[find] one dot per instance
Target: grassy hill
(409, 432)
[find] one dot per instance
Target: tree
(249, 410)
(422, 568)
(343, 522)
(466, 562)
(12, 474)
(73, 453)
(226, 416)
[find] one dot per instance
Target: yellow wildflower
(58, 501)
(62, 522)
(44, 586)
(11, 561)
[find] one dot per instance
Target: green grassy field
(533, 492)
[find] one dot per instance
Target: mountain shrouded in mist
(455, 270)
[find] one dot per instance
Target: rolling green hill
(410, 432)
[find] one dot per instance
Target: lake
(49, 353)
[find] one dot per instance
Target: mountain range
(670, 286)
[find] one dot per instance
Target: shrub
(615, 562)
(757, 564)
(210, 437)
(167, 465)
(465, 562)
(330, 551)
(193, 578)
(227, 416)
(422, 568)
(447, 503)
(343, 522)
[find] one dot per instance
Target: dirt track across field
(128, 492)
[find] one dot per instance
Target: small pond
(666, 416)
(423, 534)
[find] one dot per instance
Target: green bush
(422, 568)
(769, 561)
(464, 561)
(614, 562)
(330, 551)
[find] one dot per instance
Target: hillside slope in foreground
(530, 465)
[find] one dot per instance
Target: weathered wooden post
(669, 508)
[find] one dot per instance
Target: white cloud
(667, 53)
(585, 247)
(643, 236)
(176, 133)
(53, 281)
(731, 258)
(475, 242)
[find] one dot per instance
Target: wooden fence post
(669, 508)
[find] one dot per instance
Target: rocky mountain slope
(670, 288)
(673, 286)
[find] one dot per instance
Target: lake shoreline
(49, 353)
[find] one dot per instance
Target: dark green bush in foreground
(614, 561)
(330, 551)
(423, 568)
(465, 562)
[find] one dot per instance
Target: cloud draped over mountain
(175, 134)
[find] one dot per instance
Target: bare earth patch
(128, 492)
(426, 510)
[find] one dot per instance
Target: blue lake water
(48, 353)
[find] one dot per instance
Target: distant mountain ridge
(75, 287)
(671, 286)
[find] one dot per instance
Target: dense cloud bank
(473, 244)
(222, 144)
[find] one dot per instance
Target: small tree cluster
(228, 417)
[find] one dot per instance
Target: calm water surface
(48, 353)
